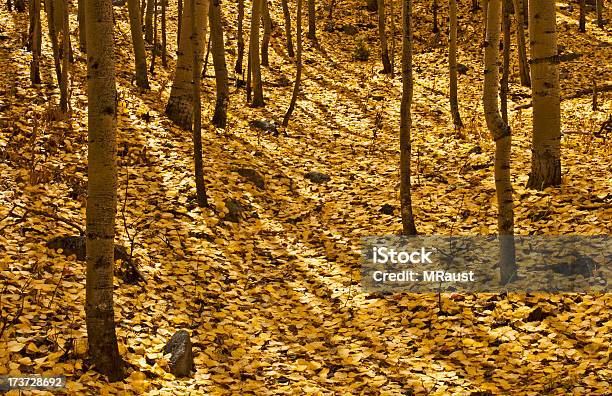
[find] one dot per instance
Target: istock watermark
(423, 264)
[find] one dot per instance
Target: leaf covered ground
(271, 295)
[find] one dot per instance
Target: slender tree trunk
(521, 46)
(298, 73)
(196, 44)
(31, 24)
(475, 6)
(258, 99)
(140, 56)
(599, 9)
(180, 104)
(164, 54)
(582, 18)
(82, 26)
(500, 132)
(64, 100)
(155, 45)
(503, 92)
(287, 16)
(452, 63)
(330, 16)
(372, 5)
(101, 189)
(180, 22)
(546, 144)
(53, 38)
(218, 54)
(312, 21)
(485, 12)
(392, 13)
(149, 21)
(267, 24)
(35, 42)
(434, 10)
(240, 56)
(408, 225)
(383, 38)
(248, 81)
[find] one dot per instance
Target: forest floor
(272, 298)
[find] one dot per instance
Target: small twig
(54, 217)
(58, 284)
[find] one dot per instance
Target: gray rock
(253, 176)
(462, 69)
(317, 177)
(181, 359)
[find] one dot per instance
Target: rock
(253, 176)
(181, 360)
(265, 126)
(317, 177)
(462, 69)
(387, 209)
(234, 210)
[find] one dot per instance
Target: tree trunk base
(220, 117)
(179, 110)
(544, 173)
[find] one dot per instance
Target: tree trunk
(149, 21)
(500, 132)
(140, 56)
(64, 100)
(218, 53)
(287, 16)
(521, 46)
(180, 104)
(267, 24)
(599, 9)
(392, 13)
(546, 147)
(197, 30)
(53, 38)
(408, 226)
(164, 54)
(240, 56)
(312, 20)
(258, 99)
(503, 92)
(372, 5)
(485, 7)
(298, 73)
(101, 189)
(155, 45)
(383, 38)
(20, 5)
(82, 26)
(434, 10)
(180, 22)
(452, 63)
(582, 18)
(35, 42)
